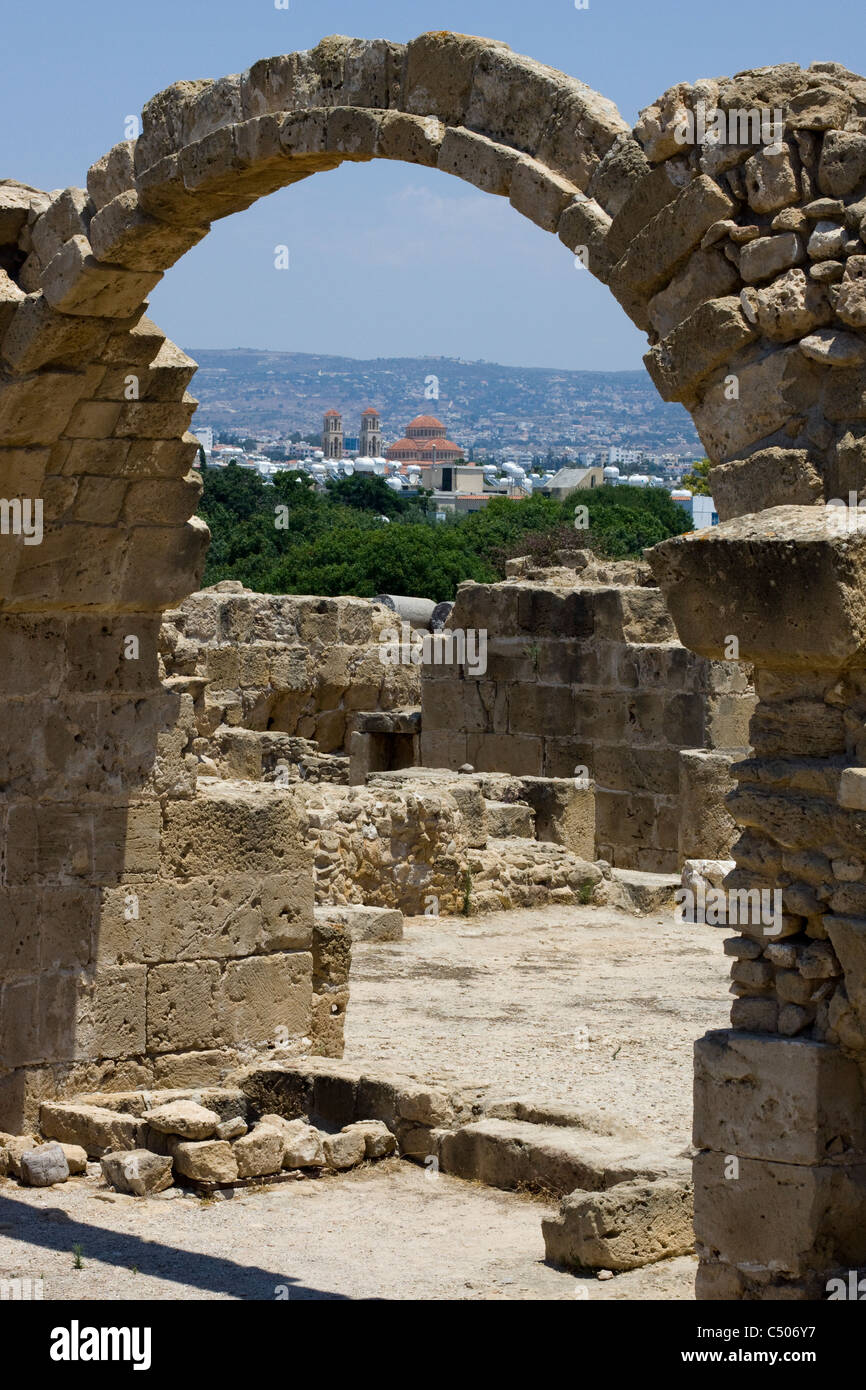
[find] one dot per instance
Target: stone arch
(743, 261)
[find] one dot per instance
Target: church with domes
(425, 443)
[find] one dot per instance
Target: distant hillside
(482, 404)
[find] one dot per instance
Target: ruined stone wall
(586, 677)
(280, 663)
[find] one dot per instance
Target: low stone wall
(200, 950)
(586, 676)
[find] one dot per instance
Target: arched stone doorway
(743, 260)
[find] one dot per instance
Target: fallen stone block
(206, 1160)
(302, 1143)
(184, 1118)
(98, 1131)
(345, 1150)
(14, 1145)
(232, 1128)
(379, 1142)
(76, 1157)
(630, 1225)
(138, 1172)
(260, 1152)
(44, 1166)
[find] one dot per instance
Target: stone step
(630, 1225)
(549, 1158)
(648, 892)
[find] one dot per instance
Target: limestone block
(705, 275)
(584, 228)
(96, 1129)
(354, 133)
(207, 1160)
(112, 174)
(765, 257)
(790, 1217)
(790, 1100)
(302, 1143)
(35, 411)
(631, 1225)
(832, 348)
(264, 998)
(43, 1166)
(768, 478)
(67, 215)
(819, 556)
(364, 923)
(346, 1149)
(138, 1172)
(695, 348)
(76, 1158)
(183, 1117)
(478, 160)
(260, 1151)
(729, 425)
(707, 828)
(439, 71)
(771, 182)
(110, 1013)
(124, 235)
(379, 1142)
(843, 162)
(233, 827)
(14, 1146)
(851, 303)
(182, 1007)
(789, 308)
(75, 282)
(37, 335)
(413, 139)
(540, 194)
(657, 250)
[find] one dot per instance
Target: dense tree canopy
(359, 537)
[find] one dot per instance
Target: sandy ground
(384, 1231)
(579, 1005)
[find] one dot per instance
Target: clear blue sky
(386, 259)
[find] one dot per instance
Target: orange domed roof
(332, 412)
(425, 421)
(369, 411)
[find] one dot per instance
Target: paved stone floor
(581, 1005)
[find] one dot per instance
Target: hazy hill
(481, 402)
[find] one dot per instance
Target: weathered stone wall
(281, 663)
(782, 1092)
(586, 677)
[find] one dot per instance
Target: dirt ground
(384, 1231)
(578, 1005)
(581, 1005)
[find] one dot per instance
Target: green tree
(698, 480)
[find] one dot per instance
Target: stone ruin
(744, 260)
